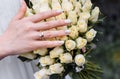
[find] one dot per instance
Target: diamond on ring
(41, 35)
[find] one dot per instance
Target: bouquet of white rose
(56, 63)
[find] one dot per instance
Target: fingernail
(68, 21)
(61, 42)
(59, 11)
(67, 32)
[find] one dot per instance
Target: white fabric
(11, 67)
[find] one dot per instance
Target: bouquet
(70, 58)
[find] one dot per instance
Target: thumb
(22, 11)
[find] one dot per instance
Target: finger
(22, 11)
(52, 34)
(51, 24)
(47, 44)
(44, 15)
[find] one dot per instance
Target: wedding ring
(41, 35)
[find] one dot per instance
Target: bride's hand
(23, 33)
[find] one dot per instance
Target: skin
(23, 33)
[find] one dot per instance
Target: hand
(23, 33)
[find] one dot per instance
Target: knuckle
(48, 34)
(28, 27)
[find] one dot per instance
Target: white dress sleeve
(11, 67)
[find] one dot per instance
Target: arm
(23, 33)
(4, 50)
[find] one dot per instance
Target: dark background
(107, 53)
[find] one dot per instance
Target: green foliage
(55, 76)
(110, 61)
(91, 71)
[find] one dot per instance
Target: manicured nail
(59, 11)
(61, 42)
(67, 32)
(68, 21)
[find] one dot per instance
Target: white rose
(35, 2)
(81, 42)
(80, 60)
(41, 8)
(68, 4)
(66, 58)
(95, 14)
(39, 1)
(82, 26)
(61, 16)
(62, 28)
(87, 6)
(56, 68)
(42, 51)
(77, 7)
(44, 1)
(90, 35)
(72, 16)
(62, 38)
(73, 32)
(56, 52)
(36, 8)
(55, 5)
(70, 45)
(44, 7)
(85, 16)
(29, 12)
(28, 55)
(44, 61)
(83, 1)
(42, 74)
(50, 19)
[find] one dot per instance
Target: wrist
(3, 53)
(4, 48)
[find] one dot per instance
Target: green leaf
(55, 76)
(29, 3)
(69, 68)
(91, 71)
(75, 76)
